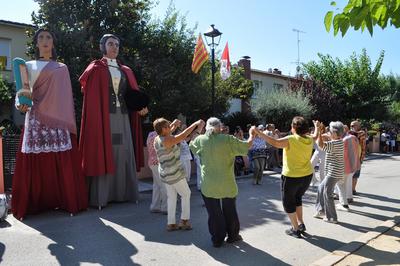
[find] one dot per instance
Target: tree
(361, 14)
(280, 106)
(356, 82)
(323, 100)
(160, 52)
(237, 85)
(79, 25)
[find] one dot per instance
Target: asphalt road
(128, 234)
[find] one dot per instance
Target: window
(277, 86)
(257, 87)
(5, 54)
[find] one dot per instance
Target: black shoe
(292, 232)
(217, 244)
(355, 193)
(335, 196)
(302, 228)
(234, 239)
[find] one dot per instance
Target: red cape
(95, 136)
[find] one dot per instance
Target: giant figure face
(44, 42)
(112, 48)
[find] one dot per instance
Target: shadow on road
(385, 156)
(2, 249)
(372, 215)
(378, 254)
(328, 244)
(106, 237)
(85, 239)
(243, 253)
(378, 197)
(374, 206)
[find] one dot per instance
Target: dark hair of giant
(300, 125)
(35, 41)
(104, 39)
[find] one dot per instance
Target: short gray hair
(212, 124)
(337, 128)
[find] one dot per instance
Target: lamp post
(212, 33)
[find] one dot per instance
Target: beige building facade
(13, 43)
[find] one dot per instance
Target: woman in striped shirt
(334, 170)
(171, 169)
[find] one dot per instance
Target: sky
(263, 30)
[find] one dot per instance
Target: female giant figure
(48, 173)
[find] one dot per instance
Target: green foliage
(361, 14)
(394, 111)
(241, 119)
(280, 106)
(356, 82)
(79, 25)
(372, 133)
(7, 91)
(237, 85)
(160, 53)
(322, 98)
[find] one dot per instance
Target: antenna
(298, 49)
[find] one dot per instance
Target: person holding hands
(171, 169)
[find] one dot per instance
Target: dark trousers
(293, 190)
(222, 218)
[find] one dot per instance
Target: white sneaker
(319, 215)
(330, 220)
(340, 207)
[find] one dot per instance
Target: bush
(240, 119)
(280, 106)
(7, 92)
(372, 133)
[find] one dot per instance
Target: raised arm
(252, 134)
(320, 139)
(170, 141)
(278, 143)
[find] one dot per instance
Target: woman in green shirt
(218, 184)
(297, 171)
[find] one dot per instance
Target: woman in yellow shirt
(297, 171)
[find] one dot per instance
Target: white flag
(225, 64)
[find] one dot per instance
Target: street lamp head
(212, 32)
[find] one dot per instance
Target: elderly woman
(334, 171)
(218, 185)
(297, 171)
(171, 170)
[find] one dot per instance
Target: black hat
(136, 100)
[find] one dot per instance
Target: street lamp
(213, 33)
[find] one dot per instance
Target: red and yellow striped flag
(200, 55)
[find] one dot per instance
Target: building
(13, 43)
(262, 80)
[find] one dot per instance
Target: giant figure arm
(24, 94)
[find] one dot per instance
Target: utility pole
(298, 49)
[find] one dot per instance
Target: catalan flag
(200, 55)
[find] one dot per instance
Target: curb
(346, 250)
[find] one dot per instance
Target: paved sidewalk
(380, 246)
(383, 250)
(128, 234)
